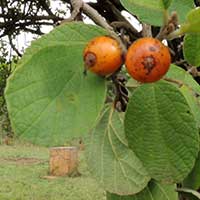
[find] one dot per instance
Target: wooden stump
(63, 161)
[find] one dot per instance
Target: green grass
(23, 179)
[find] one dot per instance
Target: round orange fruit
(147, 60)
(102, 55)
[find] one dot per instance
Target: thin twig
(146, 30)
(76, 6)
(193, 71)
(13, 46)
(127, 26)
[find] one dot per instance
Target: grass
(23, 169)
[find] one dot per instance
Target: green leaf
(193, 102)
(192, 23)
(162, 131)
(191, 48)
(49, 99)
(180, 74)
(110, 161)
(151, 11)
(193, 179)
(154, 191)
(193, 15)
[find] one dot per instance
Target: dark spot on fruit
(148, 63)
(152, 48)
(90, 59)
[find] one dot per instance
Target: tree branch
(13, 46)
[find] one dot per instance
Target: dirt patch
(49, 177)
(22, 161)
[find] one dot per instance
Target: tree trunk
(63, 161)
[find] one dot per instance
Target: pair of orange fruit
(147, 59)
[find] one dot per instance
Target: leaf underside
(110, 161)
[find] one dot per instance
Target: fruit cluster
(147, 59)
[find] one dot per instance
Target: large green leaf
(110, 161)
(162, 131)
(154, 191)
(191, 48)
(180, 74)
(151, 11)
(49, 99)
(193, 179)
(192, 23)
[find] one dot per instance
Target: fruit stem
(121, 93)
(175, 34)
(165, 17)
(146, 30)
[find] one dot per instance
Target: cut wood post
(63, 160)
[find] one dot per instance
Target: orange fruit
(102, 55)
(147, 60)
